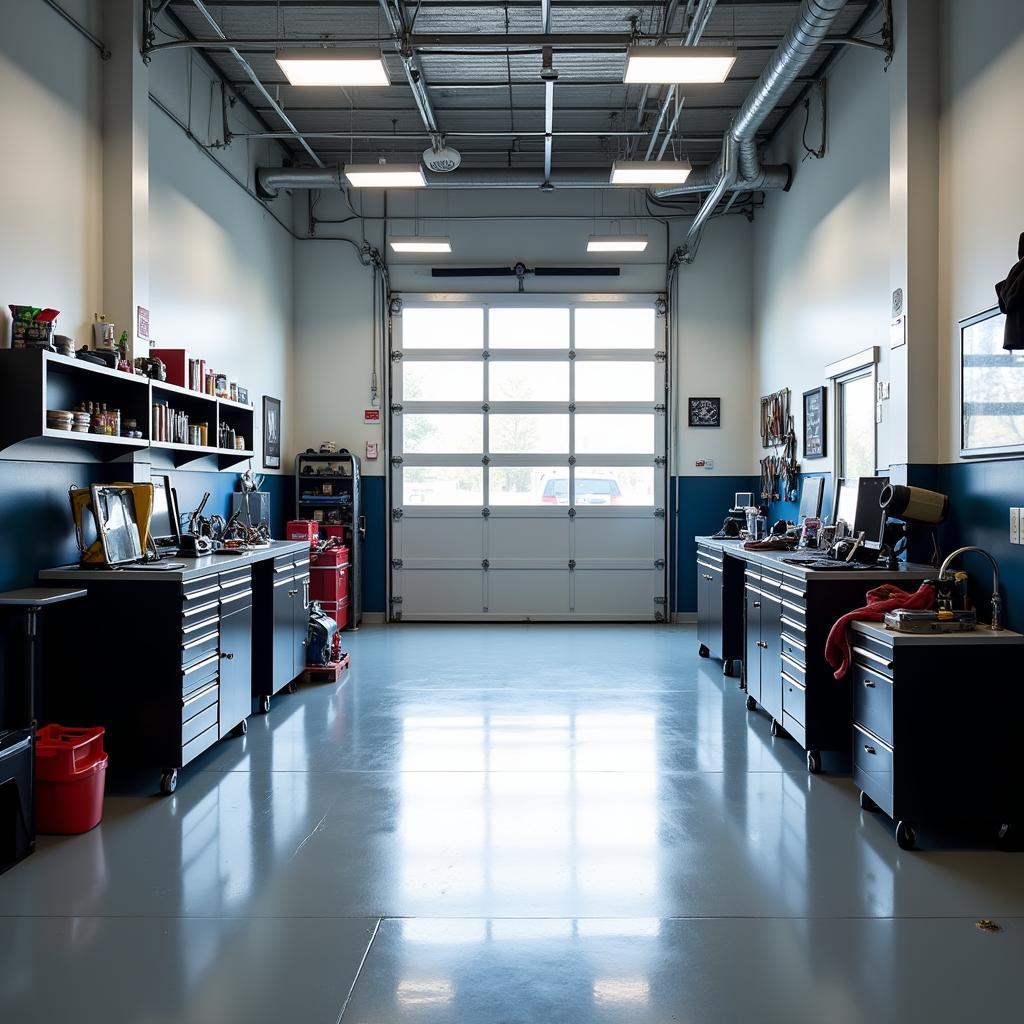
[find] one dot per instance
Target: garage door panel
(617, 537)
(442, 538)
(528, 592)
(433, 591)
(534, 537)
(609, 591)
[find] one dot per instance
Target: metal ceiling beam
(254, 78)
(343, 5)
(511, 134)
(492, 109)
(400, 30)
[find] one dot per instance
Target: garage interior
(566, 452)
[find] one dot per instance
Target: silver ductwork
(739, 164)
(270, 180)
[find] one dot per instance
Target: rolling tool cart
(17, 720)
(327, 491)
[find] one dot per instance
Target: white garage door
(528, 460)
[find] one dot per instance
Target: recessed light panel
(385, 176)
(617, 243)
(652, 65)
(421, 243)
(650, 172)
(310, 65)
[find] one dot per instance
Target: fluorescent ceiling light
(617, 243)
(385, 176)
(310, 65)
(422, 243)
(650, 172)
(668, 65)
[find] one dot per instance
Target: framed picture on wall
(705, 412)
(991, 388)
(271, 432)
(814, 423)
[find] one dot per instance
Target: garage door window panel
(442, 433)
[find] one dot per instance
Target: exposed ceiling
(490, 104)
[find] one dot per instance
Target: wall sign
(814, 423)
(371, 415)
(142, 323)
(705, 412)
(271, 432)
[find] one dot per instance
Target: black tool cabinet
(281, 620)
(719, 584)
(166, 662)
(936, 729)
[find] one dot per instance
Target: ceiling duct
(739, 164)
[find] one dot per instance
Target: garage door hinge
(572, 563)
(572, 513)
(660, 356)
(397, 460)
(485, 512)
(396, 600)
(397, 513)
(572, 460)
(485, 355)
(659, 616)
(396, 408)
(661, 600)
(485, 564)
(659, 563)
(396, 306)
(661, 408)
(396, 357)
(396, 563)
(659, 513)
(486, 407)
(660, 460)
(486, 460)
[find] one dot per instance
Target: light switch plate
(709, 463)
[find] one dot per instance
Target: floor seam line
(359, 970)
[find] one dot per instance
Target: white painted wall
(220, 264)
(334, 313)
(821, 261)
(981, 153)
(51, 171)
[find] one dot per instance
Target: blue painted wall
(375, 568)
(789, 510)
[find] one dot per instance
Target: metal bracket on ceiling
(884, 45)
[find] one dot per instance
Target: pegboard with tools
(780, 472)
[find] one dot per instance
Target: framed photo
(991, 388)
(705, 412)
(814, 423)
(271, 432)
(243, 395)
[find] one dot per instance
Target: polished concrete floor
(495, 825)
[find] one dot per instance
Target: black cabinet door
(703, 630)
(284, 631)
(752, 644)
(235, 666)
(771, 656)
(715, 587)
(300, 623)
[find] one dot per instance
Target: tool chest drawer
(200, 645)
(872, 766)
(793, 648)
(235, 579)
(872, 701)
(878, 657)
(199, 674)
(195, 703)
(203, 741)
(794, 611)
(198, 724)
(284, 563)
(794, 669)
(793, 697)
(199, 591)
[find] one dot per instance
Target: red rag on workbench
(885, 598)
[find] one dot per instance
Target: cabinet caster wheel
(169, 781)
(293, 686)
(750, 703)
(704, 651)
(906, 836)
(866, 803)
(264, 705)
(241, 729)
(814, 761)
(729, 668)
(777, 729)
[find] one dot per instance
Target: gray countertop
(192, 568)
(775, 560)
(981, 635)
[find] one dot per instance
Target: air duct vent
(443, 160)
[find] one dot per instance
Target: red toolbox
(303, 529)
(330, 557)
(71, 772)
(328, 582)
(332, 532)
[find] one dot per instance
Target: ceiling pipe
(739, 162)
(270, 180)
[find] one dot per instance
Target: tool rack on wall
(780, 470)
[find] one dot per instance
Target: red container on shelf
(332, 532)
(303, 529)
(328, 583)
(330, 557)
(176, 362)
(338, 610)
(71, 772)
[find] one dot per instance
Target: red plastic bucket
(71, 771)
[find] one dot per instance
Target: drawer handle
(757, 604)
(202, 640)
(869, 749)
(200, 664)
(227, 655)
(871, 656)
(762, 645)
(195, 696)
(201, 593)
(235, 597)
(870, 685)
(189, 613)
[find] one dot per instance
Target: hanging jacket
(1011, 301)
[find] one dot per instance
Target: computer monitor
(163, 524)
(844, 505)
(868, 517)
(743, 499)
(810, 498)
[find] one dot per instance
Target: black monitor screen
(869, 512)
(163, 524)
(810, 497)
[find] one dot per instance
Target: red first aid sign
(371, 415)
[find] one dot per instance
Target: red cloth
(885, 598)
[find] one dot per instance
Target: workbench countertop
(981, 635)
